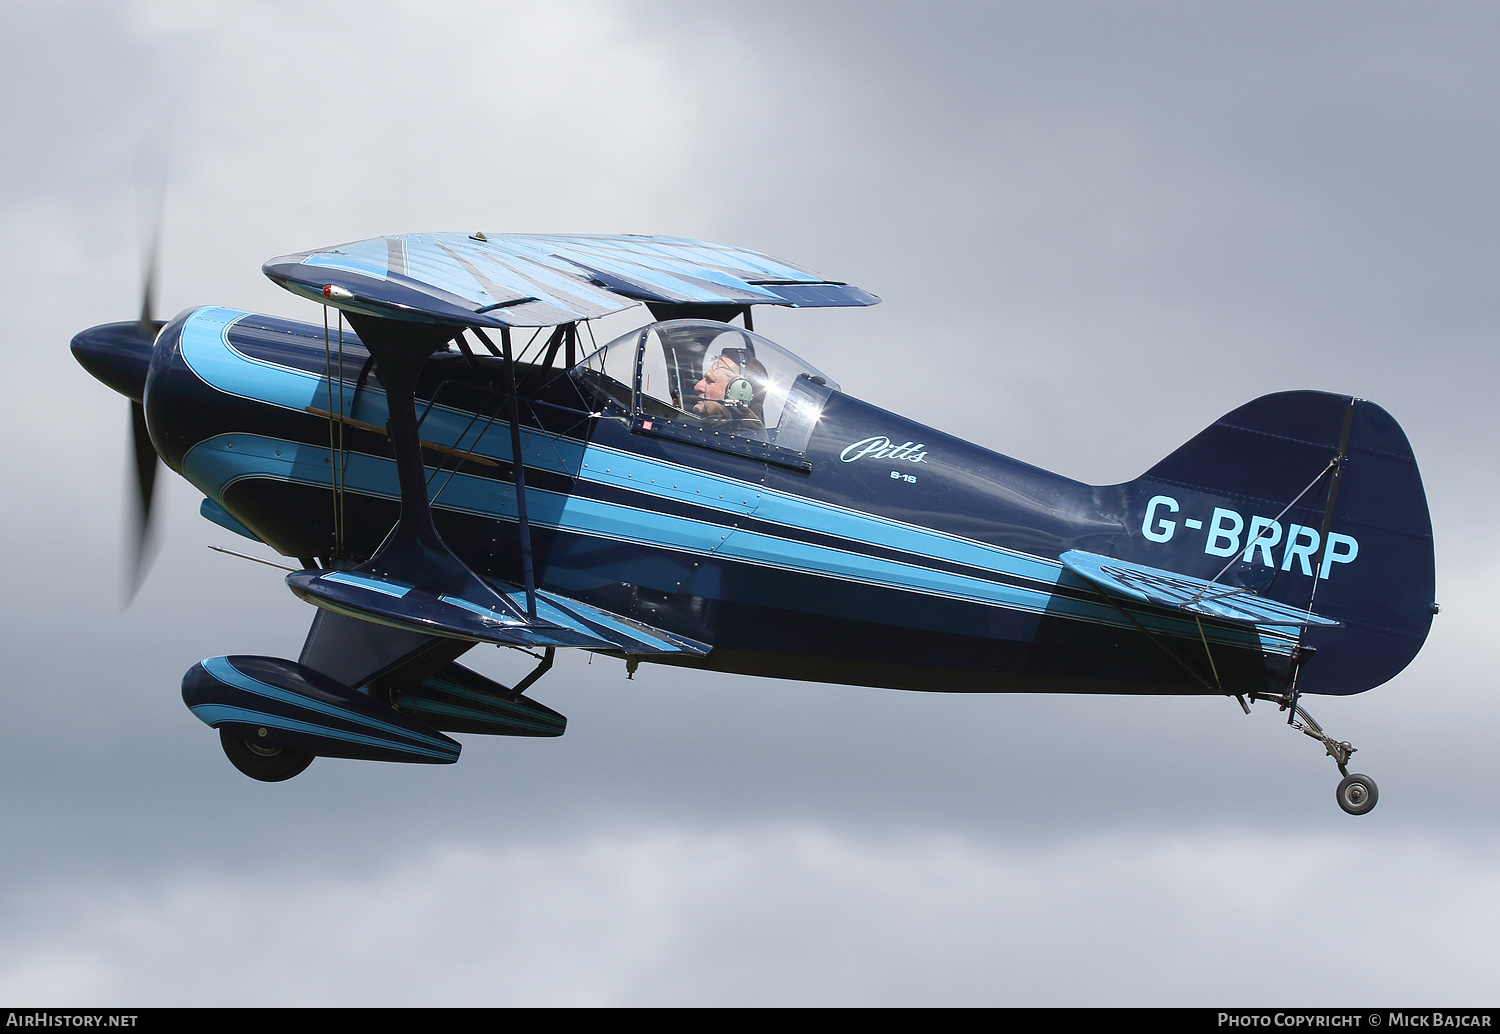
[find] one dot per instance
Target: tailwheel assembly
(1356, 793)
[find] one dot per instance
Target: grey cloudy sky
(1096, 228)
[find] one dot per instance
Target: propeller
(152, 158)
(142, 542)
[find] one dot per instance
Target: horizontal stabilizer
(560, 622)
(1182, 592)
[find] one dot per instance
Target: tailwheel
(1357, 794)
(268, 764)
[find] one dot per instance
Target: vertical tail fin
(1314, 500)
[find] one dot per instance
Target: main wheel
(1357, 794)
(268, 764)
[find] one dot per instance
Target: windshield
(716, 375)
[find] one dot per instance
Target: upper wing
(520, 280)
(1186, 593)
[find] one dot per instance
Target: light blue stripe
(208, 352)
(489, 613)
(566, 612)
(429, 264)
(620, 469)
(205, 348)
(547, 610)
(214, 714)
(376, 476)
(669, 266)
(221, 669)
(694, 266)
(370, 258)
(388, 588)
(480, 711)
(661, 280)
(214, 511)
(594, 518)
(216, 463)
(560, 280)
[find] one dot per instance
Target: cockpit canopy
(684, 377)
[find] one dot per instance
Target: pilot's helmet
(747, 383)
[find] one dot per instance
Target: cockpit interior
(710, 383)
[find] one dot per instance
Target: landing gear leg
(1356, 793)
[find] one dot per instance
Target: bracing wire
(333, 454)
(343, 448)
(1332, 464)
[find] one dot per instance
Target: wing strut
(1215, 686)
(566, 334)
(415, 582)
(523, 525)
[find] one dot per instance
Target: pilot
(733, 391)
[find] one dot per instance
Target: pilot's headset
(739, 391)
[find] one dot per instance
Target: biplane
(453, 461)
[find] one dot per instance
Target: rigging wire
(343, 447)
(521, 356)
(333, 456)
(1332, 464)
(338, 451)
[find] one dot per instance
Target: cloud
(784, 914)
(1096, 230)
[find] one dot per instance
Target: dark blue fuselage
(892, 555)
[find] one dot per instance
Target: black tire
(1357, 794)
(269, 765)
